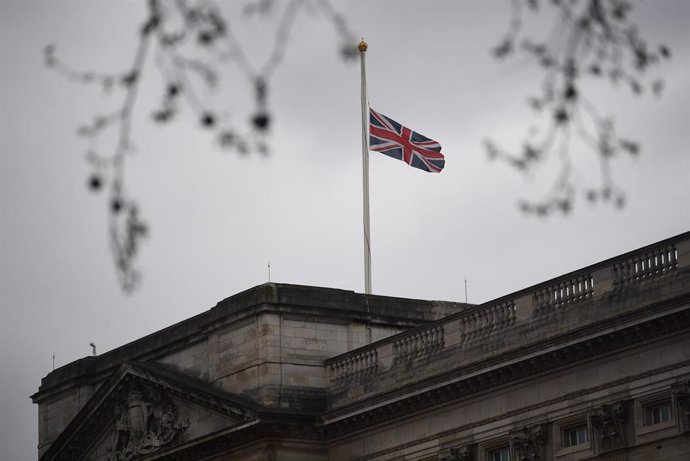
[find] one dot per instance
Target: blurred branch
(594, 40)
(190, 42)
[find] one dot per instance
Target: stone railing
(563, 292)
(645, 265)
(483, 322)
(353, 367)
(421, 343)
(469, 332)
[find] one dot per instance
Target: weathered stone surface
(595, 363)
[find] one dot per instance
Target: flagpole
(365, 171)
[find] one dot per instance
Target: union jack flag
(391, 138)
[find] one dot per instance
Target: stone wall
(555, 400)
(267, 343)
(523, 368)
(330, 374)
(585, 302)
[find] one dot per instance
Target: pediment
(145, 410)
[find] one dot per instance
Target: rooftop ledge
(440, 335)
(269, 297)
(608, 296)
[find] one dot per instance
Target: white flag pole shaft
(365, 172)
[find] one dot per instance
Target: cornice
(309, 301)
(432, 392)
(501, 359)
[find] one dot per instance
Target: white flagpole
(365, 172)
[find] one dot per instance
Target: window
(575, 435)
(500, 454)
(572, 435)
(657, 413)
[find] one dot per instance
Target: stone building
(594, 364)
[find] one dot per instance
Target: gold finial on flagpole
(362, 45)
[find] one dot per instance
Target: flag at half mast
(391, 138)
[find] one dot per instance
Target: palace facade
(594, 364)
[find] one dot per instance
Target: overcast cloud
(216, 218)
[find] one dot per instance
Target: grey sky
(216, 218)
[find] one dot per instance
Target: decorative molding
(608, 422)
(510, 373)
(681, 395)
(147, 421)
(465, 453)
(529, 444)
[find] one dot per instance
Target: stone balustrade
(491, 319)
(645, 265)
(570, 301)
(420, 343)
(563, 293)
(353, 368)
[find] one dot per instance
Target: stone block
(317, 381)
(315, 345)
(524, 307)
(308, 333)
(240, 381)
(192, 360)
(379, 333)
(297, 344)
(270, 319)
(603, 283)
(232, 349)
(293, 323)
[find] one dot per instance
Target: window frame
(643, 428)
(487, 448)
(577, 429)
(561, 435)
(490, 452)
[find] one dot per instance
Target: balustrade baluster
(465, 326)
(491, 316)
(475, 326)
(644, 266)
(480, 325)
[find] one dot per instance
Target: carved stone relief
(465, 453)
(146, 422)
(609, 422)
(681, 395)
(529, 444)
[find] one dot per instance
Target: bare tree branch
(190, 42)
(596, 41)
